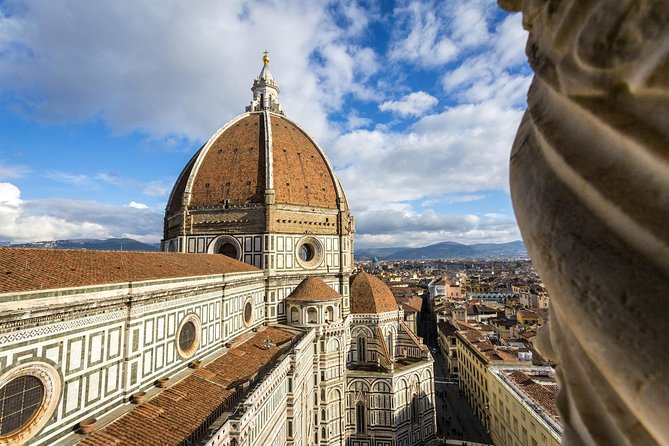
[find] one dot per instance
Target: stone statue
(590, 188)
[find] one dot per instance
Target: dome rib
(313, 289)
(254, 152)
(176, 200)
(231, 168)
(369, 295)
(325, 189)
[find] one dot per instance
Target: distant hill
(446, 250)
(111, 244)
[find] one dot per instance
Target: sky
(415, 103)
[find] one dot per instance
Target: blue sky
(415, 103)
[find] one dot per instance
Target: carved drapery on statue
(590, 187)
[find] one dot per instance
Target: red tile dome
(232, 167)
(370, 295)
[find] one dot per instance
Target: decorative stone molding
(590, 187)
(51, 381)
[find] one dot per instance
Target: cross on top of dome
(265, 90)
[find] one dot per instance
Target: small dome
(313, 289)
(370, 295)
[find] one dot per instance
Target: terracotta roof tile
(414, 303)
(176, 413)
(545, 395)
(370, 295)
(28, 269)
(234, 166)
(301, 174)
(313, 289)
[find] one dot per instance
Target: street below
(455, 418)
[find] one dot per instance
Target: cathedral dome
(370, 295)
(259, 157)
(255, 153)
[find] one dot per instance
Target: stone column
(590, 187)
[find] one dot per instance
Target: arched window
(391, 347)
(362, 349)
(360, 421)
(294, 314)
(312, 316)
(329, 314)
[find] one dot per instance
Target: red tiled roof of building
(30, 269)
(171, 416)
(477, 340)
(370, 295)
(414, 304)
(446, 328)
(313, 289)
(528, 314)
(545, 395)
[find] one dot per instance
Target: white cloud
(422, 38)
(80, 181)
(412, 229)
(156, 189)
(451, 199)
(355, 121)
(468, 22)
(414, 104)
(12, 171)
(461, 150)
(175, 68)
(56, 219)
(496, 72)
(136, 205)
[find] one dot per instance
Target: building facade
(248, 330)
(523, 409)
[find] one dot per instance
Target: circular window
(248, 312)
(188, 336)
(28, 396)
(20, 400)
(228, 249)
(306, 252)
(309, 252)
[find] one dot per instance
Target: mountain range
(110, 244)
(446, 250)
